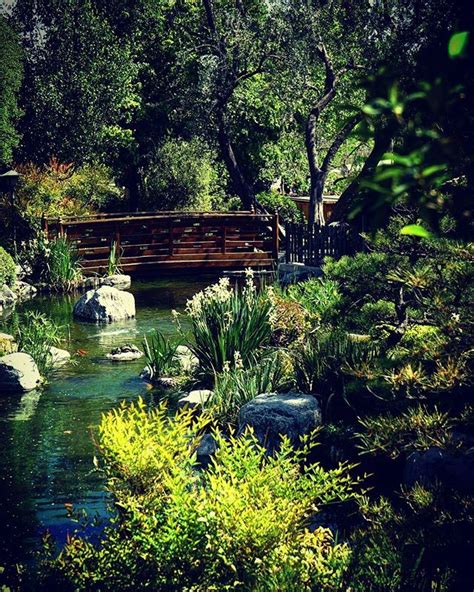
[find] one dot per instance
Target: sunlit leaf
(458, 44)
(416, 230)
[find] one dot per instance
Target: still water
(46, 447)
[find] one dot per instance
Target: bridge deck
(171, 240)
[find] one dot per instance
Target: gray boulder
(272, 415)
(24, 291)
(59, 357)
(197, 398)
(18, 373)
(7, 296)
(186, 359)
(119, 281)
(454, 469)
(105, 305)
(206, 449)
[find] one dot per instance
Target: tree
(11, 73)
(80, 84)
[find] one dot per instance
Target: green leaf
(416, 230)
(431, 170)
(458, 44)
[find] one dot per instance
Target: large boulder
(454, 469)
(7, 344)
(105, 305)
(118, 280)
(18, 373)
(272, 415)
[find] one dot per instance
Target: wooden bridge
(152, 241)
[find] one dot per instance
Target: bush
(284, 206)
(319, 296)
(63, 190)
(184, 175)
(54, 262)
(239, 525)
(7, 269)
(289, 320)
(228, 325)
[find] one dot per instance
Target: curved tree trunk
(241, 187)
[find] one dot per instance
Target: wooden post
(276, 236)
(61, 228)
(170, 237)
(224, 240)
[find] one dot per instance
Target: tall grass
(160, 355)
(228, 324)
(36, 333)
(113, 265)
(63, 269)
(233, 388)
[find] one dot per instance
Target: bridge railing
(310, 244)
(145, 240)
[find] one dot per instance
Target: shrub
(54, 262)
(239, 525)
(60, 189)
(160, 355)
(7, 269)
(228, 324)
(113, 264)
(36, 334)
(289, 320)
(416, 429)
(319, 296)
(284, 206)
(184, 175)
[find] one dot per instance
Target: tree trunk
(241, 187)
(132, 188)
(353, 193)
(316, 213)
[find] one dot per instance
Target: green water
(46, 449)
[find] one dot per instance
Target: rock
(18, 373)
(206, 449)
(59, 356)
(453, 469)
(105, 305)
(166, 382)
(186, 359)
(272, 415)
(24, 291)
(7, 296)
(196, 398)
(119, 281)
(7, 344)
(125, 353)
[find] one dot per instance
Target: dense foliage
(7, 269)
(239, 525)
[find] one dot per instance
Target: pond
(46, 447)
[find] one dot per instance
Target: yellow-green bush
(239, 525)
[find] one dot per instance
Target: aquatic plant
(62, 265)
(226, 320)
(113, 265)
(242, 524)
(36, 334)
(160, 353)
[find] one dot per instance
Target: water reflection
(46, 448)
